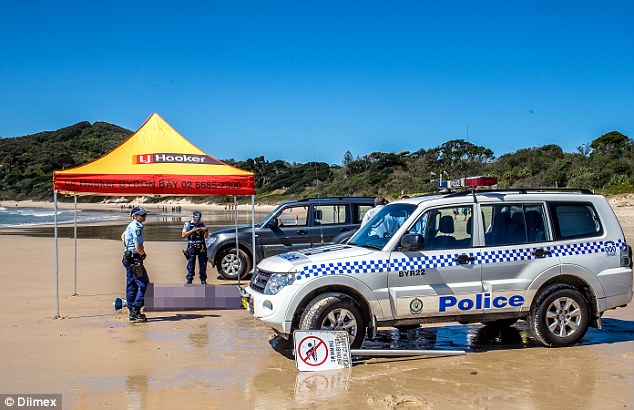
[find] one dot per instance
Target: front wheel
(559, 316)
(335, 311)
(232, 266)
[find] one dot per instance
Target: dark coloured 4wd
(292, 226)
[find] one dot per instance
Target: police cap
(137, 210)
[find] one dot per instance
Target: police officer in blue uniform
(133, 256)
(195, 231)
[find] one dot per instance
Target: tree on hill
(613, 141)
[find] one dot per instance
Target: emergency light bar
(480, 181)
(471, 182)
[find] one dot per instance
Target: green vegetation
(27, 163)
(605, 165)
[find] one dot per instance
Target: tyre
(500, 323)
(559, 316)
(335, 311)
(231, 267)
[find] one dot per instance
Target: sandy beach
(225, 359)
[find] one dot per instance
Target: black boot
(203, 281)
(136, 315)
(189, 281)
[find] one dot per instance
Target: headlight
(277, 281)
(211, 240)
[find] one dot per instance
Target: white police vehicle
(557, 259)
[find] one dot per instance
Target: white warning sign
(322, 350)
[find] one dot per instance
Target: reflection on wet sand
(312, 386)
(137, 391)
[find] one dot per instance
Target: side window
(361, 210)
(446, 228)
(536, 226)
(511, 224)
(575, 220)
(293, 216)
(330, 214)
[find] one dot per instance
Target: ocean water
(39, 222)
(15, 217)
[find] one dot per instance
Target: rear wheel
(335, 311)
(231, 266)
(559, 316)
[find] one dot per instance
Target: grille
(259, 280)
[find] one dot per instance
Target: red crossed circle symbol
(310, 349)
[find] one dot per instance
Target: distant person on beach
(134, 254)
(379, 202)
(195, 231)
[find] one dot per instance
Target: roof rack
(334, 198)
(582, 191)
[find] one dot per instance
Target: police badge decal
(416, 305)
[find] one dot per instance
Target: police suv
(556, 259)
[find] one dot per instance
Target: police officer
(195, 231)
(133, 256)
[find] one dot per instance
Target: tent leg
(56, 257)
(75, 293)
(253, 231)
(235, 213)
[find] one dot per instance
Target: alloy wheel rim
(231, 264)
(341, 319)
(563, 317)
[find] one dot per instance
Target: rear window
(575, 220)
(330, 214)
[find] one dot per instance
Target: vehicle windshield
(378, 231)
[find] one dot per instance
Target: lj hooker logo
(174, 158)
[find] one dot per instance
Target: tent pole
(253, 230)
(56, 257)
(235, 213)
(75, 293)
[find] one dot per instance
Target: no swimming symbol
(317, 350)
(312, 351)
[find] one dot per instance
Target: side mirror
(413, 242)
(273, 223)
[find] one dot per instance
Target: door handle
(302, 232)
(345, 229)
(541, 253)
(464, 258)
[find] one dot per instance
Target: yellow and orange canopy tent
(155, 160)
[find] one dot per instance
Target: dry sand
(224, 359)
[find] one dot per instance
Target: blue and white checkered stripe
(579, 249)
(355, 267)
(505, 255)
(447, 260)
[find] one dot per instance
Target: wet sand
(226, 359)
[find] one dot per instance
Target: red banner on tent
(127, 185)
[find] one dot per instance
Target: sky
(309, 80)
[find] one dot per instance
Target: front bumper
(271, 309)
